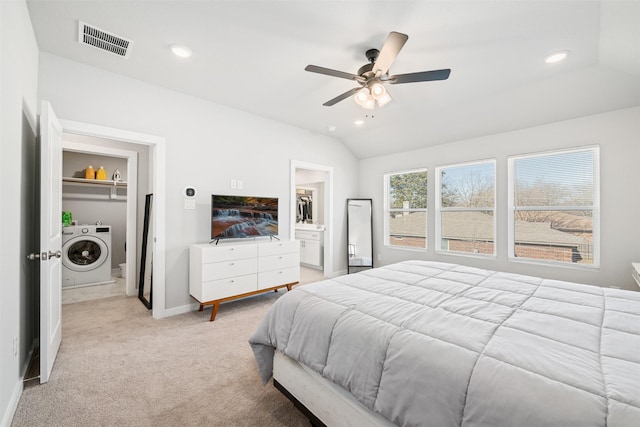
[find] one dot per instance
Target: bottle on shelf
(101, 174)
(89, 172)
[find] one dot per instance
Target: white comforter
(435, 344)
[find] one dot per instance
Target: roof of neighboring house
(464, 225)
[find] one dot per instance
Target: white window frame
(388, 210)
(595, 208)
(440, 209)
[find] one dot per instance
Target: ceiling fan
(372, 76)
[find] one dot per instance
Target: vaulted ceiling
(251, 55)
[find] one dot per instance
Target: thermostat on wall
(189, 197)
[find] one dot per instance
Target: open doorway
(312, 215)
(100, 239)
(98, 139)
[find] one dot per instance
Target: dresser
(224, 272)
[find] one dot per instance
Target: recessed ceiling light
(331, 128)
(181, 50)
(556, 57)
(358, 122)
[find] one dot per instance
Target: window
(555, 206)
(465, 219)
(406, 209)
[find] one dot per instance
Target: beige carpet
(118, 366)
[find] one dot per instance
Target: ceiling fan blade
(423, 76)
(341, 97)
(392, 46)
(330, 72)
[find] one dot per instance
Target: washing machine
(86, 255)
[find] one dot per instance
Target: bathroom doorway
(312, 214)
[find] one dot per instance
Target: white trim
(13, 403)
(132, 202)
(328, 208)
(174, 311)
(157, 168)
(595, 208)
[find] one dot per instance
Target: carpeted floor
(117, 366)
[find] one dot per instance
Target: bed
(436, 344)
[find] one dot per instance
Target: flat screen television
(236, 217)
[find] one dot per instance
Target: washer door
(84, 253)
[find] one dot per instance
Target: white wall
(618, 135)
(18, 107)
(207, 146)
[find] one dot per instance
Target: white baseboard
(7, 418)
(10, 411)
(181, 310)
(337, 273)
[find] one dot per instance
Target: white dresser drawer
(224, 269)
(277, 248)
(224, 288)
(226, 253)
(269, 279)
(274, 262)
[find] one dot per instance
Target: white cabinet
(219, 273)
(311, 247)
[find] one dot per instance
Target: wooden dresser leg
(201, 307)
(289, 287)
(214, 311)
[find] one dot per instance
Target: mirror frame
(360, 266)
(145, 283)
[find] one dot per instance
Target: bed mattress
(426, 343)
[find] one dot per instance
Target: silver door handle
(57, 254)
(33, 256)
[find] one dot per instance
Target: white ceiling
(251, 55)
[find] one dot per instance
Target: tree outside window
(406, 209)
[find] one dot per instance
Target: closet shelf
(108, 184)
(105, 182)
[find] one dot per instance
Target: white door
(50, 239)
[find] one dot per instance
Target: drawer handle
(279, 257)
(230, 263)
(232, 281)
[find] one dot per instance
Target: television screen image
(235, 217)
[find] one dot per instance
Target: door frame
(157, 168)
(132, 194)
(328, 209)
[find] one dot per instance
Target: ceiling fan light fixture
(384, 99)
(377, 90)
(369, 104)
(362, 96)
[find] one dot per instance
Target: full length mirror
(359, 235)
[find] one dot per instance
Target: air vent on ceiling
(104, 40)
